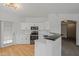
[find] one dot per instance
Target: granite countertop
(52, 36)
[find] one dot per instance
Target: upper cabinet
(42, 26)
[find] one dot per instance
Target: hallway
(69, 48)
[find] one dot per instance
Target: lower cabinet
(48, 47)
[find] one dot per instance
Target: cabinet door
(40, 48)
(53, 47)
(7, 33)
(57, 47)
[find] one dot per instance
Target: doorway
(68, 31)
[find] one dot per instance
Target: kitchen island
(45, 47)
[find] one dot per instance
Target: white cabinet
(54, 47)
(21, 34)
(6, 32)
(44, 47)
(40, 47)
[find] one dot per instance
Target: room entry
(68, 30)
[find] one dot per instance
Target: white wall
(64, 30)
(35, 19)
(0, 34)
(77, 33)
(55, 23)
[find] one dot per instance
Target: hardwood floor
(17, 50)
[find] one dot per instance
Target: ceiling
(38, 10)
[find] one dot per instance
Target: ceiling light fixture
(12, 5)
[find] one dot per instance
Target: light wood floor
(17, 50)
